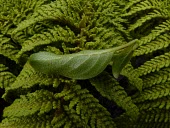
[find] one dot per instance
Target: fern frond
(3, 68)
(152, 79)
(149, 25)
(157, 39)
(160, 42)
(80, 108)
(155, 64)
(52, 36)
(161, 103)
(123, 121)
(26, 80)
(11, 13)
(152, 93)
(105, 38)
(162, 28)
(38, 102)
(53, 11)
(139, 6)
(8, 48)
(6, 78)
(132, 76)
(155, 117)
(109, 88)
(130, 4)
(151, 16)
(43, 121)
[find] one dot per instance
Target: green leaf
(121, 59)
(82, 65)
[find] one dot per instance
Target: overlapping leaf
(84, 64)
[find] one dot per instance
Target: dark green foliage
(70, 26)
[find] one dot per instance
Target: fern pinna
(148, 20)
(141, 93)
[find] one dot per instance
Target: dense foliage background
(139, 98)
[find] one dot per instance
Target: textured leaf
(82, 65)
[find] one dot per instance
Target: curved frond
(28, 79)
(155, 64)
(109, 88)
(8, 48)
(152, 93)
(27, 122)
(83, 109)
(38, 102)
(152, 79)
(133, 76)
(6, 77)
